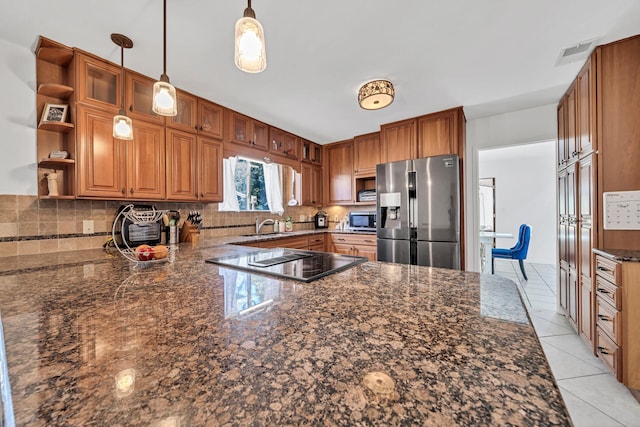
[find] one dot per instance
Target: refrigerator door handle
(413, 205)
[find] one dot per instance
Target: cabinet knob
(122, 190)
(131, 108)
(131, 190)
(201, 128)
(602, 350)
(603, 317)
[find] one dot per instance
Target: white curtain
(273, 188)
(230, 199)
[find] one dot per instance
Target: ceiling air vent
(576, 52)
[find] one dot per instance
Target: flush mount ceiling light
(250, 54)
(122, 125)
(164, 95)
(376, 94)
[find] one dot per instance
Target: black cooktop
(306, 266)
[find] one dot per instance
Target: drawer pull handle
(602, 350)
(603, 291)
(603, 317)
(340, 240)
(369, 241)
(604, 269)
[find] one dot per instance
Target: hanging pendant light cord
(164, 39)
(122, 78)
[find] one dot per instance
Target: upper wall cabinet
(186, 119)
(311, 152)
(98, 82)
(283, 143)
(586, 109)
(398, 141)
(210, 119)
(339, 173)
(439, 133)
(366, 150)
(139, 98)
(246, 131)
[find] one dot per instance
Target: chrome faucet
(260, 224)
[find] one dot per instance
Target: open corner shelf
(55, 90)
(55, 163)
(56, 126)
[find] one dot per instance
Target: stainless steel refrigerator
(418, 212)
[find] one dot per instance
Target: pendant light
(164, 95)
(250, 54)
(122, 125)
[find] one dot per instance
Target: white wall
(527, 126)
(18, 170)
(525, 193)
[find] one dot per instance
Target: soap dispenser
(276, 226)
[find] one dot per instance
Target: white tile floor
(592, 395)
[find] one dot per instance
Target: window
(250, 187)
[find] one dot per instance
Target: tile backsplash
(29, 225)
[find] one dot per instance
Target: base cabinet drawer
(609, 292)
(610, 270)
(609, 320)
(609, 352)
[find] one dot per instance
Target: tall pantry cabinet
(598, 151)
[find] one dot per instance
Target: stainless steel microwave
(362, 221)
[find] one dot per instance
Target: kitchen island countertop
(92, 341)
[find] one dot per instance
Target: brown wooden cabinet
(194, 166)
(617, 317)
(571, 128)
(54, 86)
(572, 245)
(197, 115)
(311, 184)
(246, 131)
(139, 98)
(585, 235)
(438, 133)
(182, 155)
(282, 143)
(187, 117)
(210, 169)
(586, 109)
(339, 173)
(562, 135)
(618, 130)
(355, 244)
(210, 119)
(311, 152)
(597, 117)
(97, 82)
(317, 242)
(366, 149)
(398, 141)
(115, 169)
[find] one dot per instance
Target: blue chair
(519, 251)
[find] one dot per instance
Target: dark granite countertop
(92, 341)
(619, 254)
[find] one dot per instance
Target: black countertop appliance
(321, 220)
